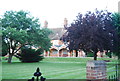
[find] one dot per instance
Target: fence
(113, 72)
(38, 76)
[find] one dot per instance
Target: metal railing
(38, 76)
(115, 76)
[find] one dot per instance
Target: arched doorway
(54, 52)
(64, 52)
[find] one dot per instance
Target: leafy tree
(20, 29)
(0, 43)
(116, 22)
(91, 32)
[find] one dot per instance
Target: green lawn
(51, 68)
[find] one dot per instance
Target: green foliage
(90, 54)
(109, 54)
(4, 49)
(14, 34)
(20, 29)
(31, 55)
(116, 22)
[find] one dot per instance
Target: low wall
(96, 70)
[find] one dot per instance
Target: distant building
(59, 49)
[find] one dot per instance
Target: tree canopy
(91, 32)
(20, 29)
(116, 22)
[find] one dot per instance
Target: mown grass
(51, 68)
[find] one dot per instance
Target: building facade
(58, 48)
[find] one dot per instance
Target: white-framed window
(54, 51)
(65, 51)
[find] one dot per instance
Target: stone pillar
(96, 70)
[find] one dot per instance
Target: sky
(54, 11)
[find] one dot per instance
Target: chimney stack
(45, 24)
(65, 22)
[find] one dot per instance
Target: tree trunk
(95, 55)
(76, 53)
(118, 57)
(10, 58)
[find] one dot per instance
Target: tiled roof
(57, 33)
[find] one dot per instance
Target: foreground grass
(51, 68)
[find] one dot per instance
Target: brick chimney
(65, 22)
(45, 24)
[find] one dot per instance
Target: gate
(112, 72)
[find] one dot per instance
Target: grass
(51, 68)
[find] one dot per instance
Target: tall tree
(91, 32)
(116, 22)
(20, 29)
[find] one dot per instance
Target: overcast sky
(54, 11)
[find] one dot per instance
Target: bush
(109, 54)
(4, 49)
(89, 54)
(30, 55)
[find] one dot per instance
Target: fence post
(116, 71)
(114, 78)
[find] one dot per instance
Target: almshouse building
(58, 48)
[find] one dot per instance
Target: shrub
(89, 54)
(30, 55)
(4, 49)
(109, 54)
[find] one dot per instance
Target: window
(54, 51)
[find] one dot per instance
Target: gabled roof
(57, 33)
